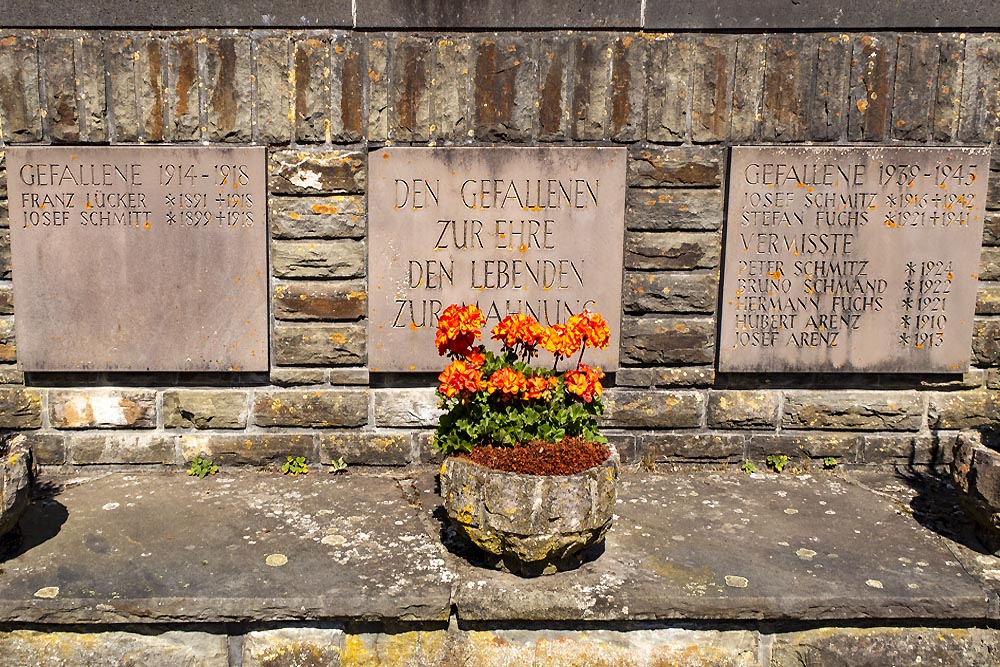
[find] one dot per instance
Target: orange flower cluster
(585, 329)
(518, 329)
(507, 381)
(584, 382)
(458, 377)
(539, 387)
(458, 328)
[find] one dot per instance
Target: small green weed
(294, 466)
(777, 462)
(748, 467)
(829, 463)
(202, 467)
(338, 465)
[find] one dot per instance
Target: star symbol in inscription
(908, 285)
(170, 218)
(170, 200)
(911, 267)
(905, 321)
(907, 303)
(904, 339)
(891, 199)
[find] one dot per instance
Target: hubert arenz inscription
(139, 258)
(851, 258)
(538, 231)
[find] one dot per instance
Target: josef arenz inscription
(852, 259)
(139, 258)
(538, 231)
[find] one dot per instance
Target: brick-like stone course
(318, 408)
(205, 408)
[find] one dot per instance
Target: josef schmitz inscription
(514, 230)
(139, 257)
(851, 259)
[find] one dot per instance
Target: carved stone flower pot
(530, 524)
(15, 481)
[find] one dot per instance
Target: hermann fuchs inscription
(139, 258)
(538, 231)
(859, 259)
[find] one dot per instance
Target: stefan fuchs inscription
(538, 231)
(139, 258)
(859, 259)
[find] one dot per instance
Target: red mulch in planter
(568, 457)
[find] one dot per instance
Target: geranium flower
(561, 340)
(539, 387)
(507, 381)
(458, 328)
(518, 329)
(458, 377)
(584, 382)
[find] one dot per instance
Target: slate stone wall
(320, 99)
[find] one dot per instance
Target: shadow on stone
(40, 522)
(936, 506)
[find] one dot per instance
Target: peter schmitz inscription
(538, 231)
(851, 258)
(139, 258)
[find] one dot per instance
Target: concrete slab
(252, 546)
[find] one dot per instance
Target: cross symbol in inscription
(905, 321)
(170, 200)
(904, 339)
(220, 200)
(907, 303)
(911, 267)
(170, 218)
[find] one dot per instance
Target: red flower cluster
(585, 382)
(458, 328)
(507, 381)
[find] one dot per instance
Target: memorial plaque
(860, 259)
(139, 258)
(538, 231)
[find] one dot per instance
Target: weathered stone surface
(8, 344)
(326, 301)
(786, 88)
(591, 88)
(505, 89)
(48, 448)
(673, 209)
(274, 90)
(568, 512)
(15, 480)
(366, 448)
(908, 449)
(681, 166)
(128, 448)
(698, 447)
(311, 74)
(914, 95)
(886, 646)
(652, 409)
(9, 374)
(853, 410)
(496, 15)
(227, 88)
(377, 112)
(347, 89)
(712, 63)
(628, 88)
(317, 259)
(989, 264)
(409, 89)
(322, 408)
(291, 377)
(92, 96)
(288, 647)
(450, 89)
(123, 95)
(672, 251)
(844, 447)
(742, 409)
(20, 408)
(152, 102)
(669, 97)
(102, 408)
(250, 448)
(670, 292)
(826, 104)
(19, 105)
(113, 648)
(61, 109)
(5, 265)
(316, 172)
(406, 407)
(970, 379)
(349, 376)
(668, 340)
(183, 83)
(988, 300)
(963, 409)
(873, 67)
(986, 342)
(980, 80)
(207, 408)
(334, 217)
(555, 93)
(748, 87)
(948, 86)
(975, 472)
(691, 376)
(334, 344)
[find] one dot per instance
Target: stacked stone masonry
(320, 99)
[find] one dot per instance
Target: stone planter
(15, 481)
(530, 524)
(975, 472)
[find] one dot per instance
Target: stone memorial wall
(882, 380)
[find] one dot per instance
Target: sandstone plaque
(139, 258)
(860, 259)
(515, 230)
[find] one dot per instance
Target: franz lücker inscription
(139, 258)
(861, 259)
(538, 231)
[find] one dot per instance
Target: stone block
(316, 171)
(5, 265)
(152, 92)
(402, 408)
(293, 377)
(680, 166)
(669, 99)
(8, 344)
(91, 91)
(672, 251)
(986, 342)
(712, 61)
(670, 292)
(20, 106)
(628, 88)
(409, 89)
(249, 449)
(346, 119)
(692, 446)
(61, 109)
(333, 344)
(366, 448)
(591, 88)
(6, 299)
(48, 448)
(377, 120)
(275, 114)
(916, 83)
(948, 647)
(989, 264)
(121, 448)
(450, 89)
(172, 648)
(349, 376)
(333, 217)
(555, 87)
(786, 88)
(123, 95)
(988, 300)
(980, 107)
(505, 88)
(908, 449)
(4, 206)
(9, 374)
(963, 409)
(826, 104)
(288, 647)
(970, 379)
(679, 209)
(183, 85)
(739, 409)
(205, 408)
(853, 410)
(668, 341)
(313, 408)
(324, 301)
(691, 376)
(845, 447)
(748, 87)
(311, 75)
(318, 259)
(628, 408)
(228, 79)
(873, 66)
(102, 408)
(948, 86)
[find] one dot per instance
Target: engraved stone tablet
(861, 259)
(139, 258)
(515, 230)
